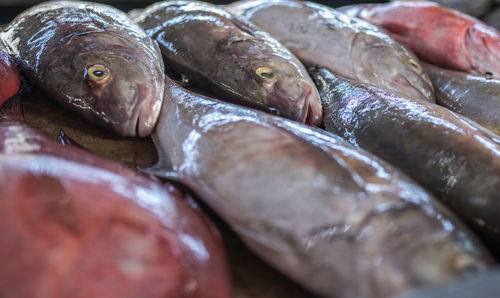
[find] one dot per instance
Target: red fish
(76, 225)
(9, 78)
(439, 35)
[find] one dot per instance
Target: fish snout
(312, 112)
(146, 106)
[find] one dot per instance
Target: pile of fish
(356, 150)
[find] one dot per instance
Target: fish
(231, 59)
(474, 8)
(94, 60)
(9, 78)
(77, 225)
(474, 97)
(319, 35)
(438, 35)
(483, 286)
(444, 152)
(335, 219)
(492, 18)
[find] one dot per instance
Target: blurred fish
(332, 217)
(476, 98)
(474, 8)
(92, 59)
(231, 58)
(439, 35)
(493, 18)
(485, 285)
(76, 225)
(443, 151)
(350, 47)
(9, 78)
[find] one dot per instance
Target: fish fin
(65, 140)
(12, 110)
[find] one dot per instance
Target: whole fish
(443, 151)
(476, 98)
(9, 78)
(231, 58)
(94, 60)
(439, 35)
(350, 47)
(483, 286)
(493, 18)
(474, 8)
(332, 217)
(76, 225)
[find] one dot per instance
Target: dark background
(10, 8)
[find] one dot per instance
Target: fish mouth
(406, 88)
(312, 111)
(145, 113)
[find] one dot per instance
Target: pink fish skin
(76, 225)
(9, 78)
(442, 36)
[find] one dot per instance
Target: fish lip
(312, 111)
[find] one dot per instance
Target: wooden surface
(252, 278)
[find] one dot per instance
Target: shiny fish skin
(439, 35)
(63, 43)
(220, 53)
(441, 150)
(493, 18)
(350, 47)
(76, 225)
(474, 8)
(476, 98)
(334, 218)
(9, 78)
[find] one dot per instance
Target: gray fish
(332, 217)
(231, 58)
(443, 151)
(92, 59)
(492, 18)
(474, 8)
(485, 285)
(350, 47)
(476, 98)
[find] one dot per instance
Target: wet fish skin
(474, 8)
(231, 58)
(476, 98)
(441, 36)
(331, 217)
(92, 59)
(76, 225)
(319, 35)
(9, 78)
(443, 151)
(492, 18)
(483, 286)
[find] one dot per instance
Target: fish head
(416, 248)
(394, 68)
(283, 87)
(111, 81)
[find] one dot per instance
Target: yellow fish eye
(265, 72)
(415, 65)
(98, 73)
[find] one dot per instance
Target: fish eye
(415, 65)
(98, 73)
(265, 72)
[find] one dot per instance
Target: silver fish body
(334, 218)
(231, 58)
(446, 153)
(347, 46)
(94, 60)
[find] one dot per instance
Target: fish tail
(12, 111)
